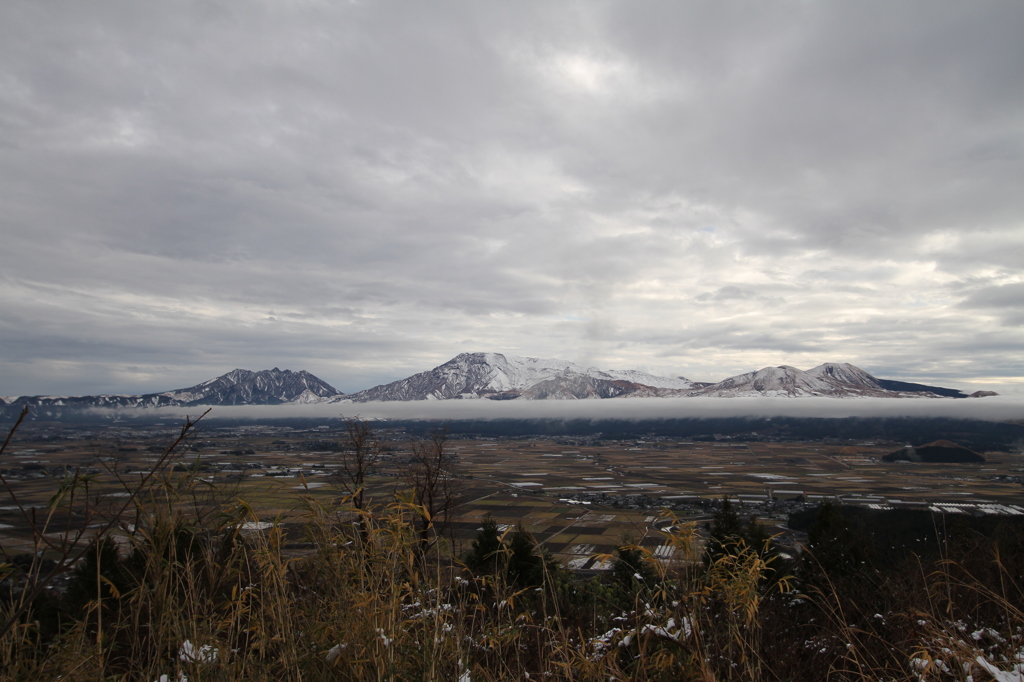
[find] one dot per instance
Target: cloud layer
(365, 190)
(991, 409)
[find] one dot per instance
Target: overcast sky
(364, 190)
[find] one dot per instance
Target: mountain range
(495, 376)
(237, 387)
(508, 377)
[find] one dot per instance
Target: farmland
(579, 497)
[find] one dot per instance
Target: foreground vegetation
(178, 580)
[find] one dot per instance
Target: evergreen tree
(101, 572)
(525, 566)
(835, 547)
(729, 534)
(726, 532)
(630, 572)
(483, 557)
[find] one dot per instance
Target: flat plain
(581, 498)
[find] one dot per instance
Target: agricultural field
(579, 498)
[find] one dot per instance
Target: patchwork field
(581, 499)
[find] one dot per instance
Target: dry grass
(187, 591)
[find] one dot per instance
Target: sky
(364, 190)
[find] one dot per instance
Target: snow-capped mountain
(843, 373)
(573, 386)
(244, 387)
(237, 387)
(769, 381)
(643, 378)
(470, 375)
(832, 379)
(503, 377)
(507, 377)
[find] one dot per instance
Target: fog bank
(993, 409)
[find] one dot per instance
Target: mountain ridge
(509, 377)
(496, 376)
(237, 387)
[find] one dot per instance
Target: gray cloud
(1004, 296)
(364, 190)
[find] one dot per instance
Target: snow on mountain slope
(769, 381)
(501, 377)
(237, 387)
(832, 379)
(509, 377)
(470, 375)
(642, 378)
(844, 373)
(244, 387)
(513, 372)
(573, 386)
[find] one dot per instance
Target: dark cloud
(1005, 296)
(364, 190)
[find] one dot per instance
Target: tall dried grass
(189, 591)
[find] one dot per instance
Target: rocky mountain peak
(509, 377)
(245, 387)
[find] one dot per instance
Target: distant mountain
(982, 394)
(832, 379)
(940, 452)
(496, 376)
(643, 379)
(267, 387)
(907, 387)
(237, 387)
(769, 381)
(509, 377)
(573, 386)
